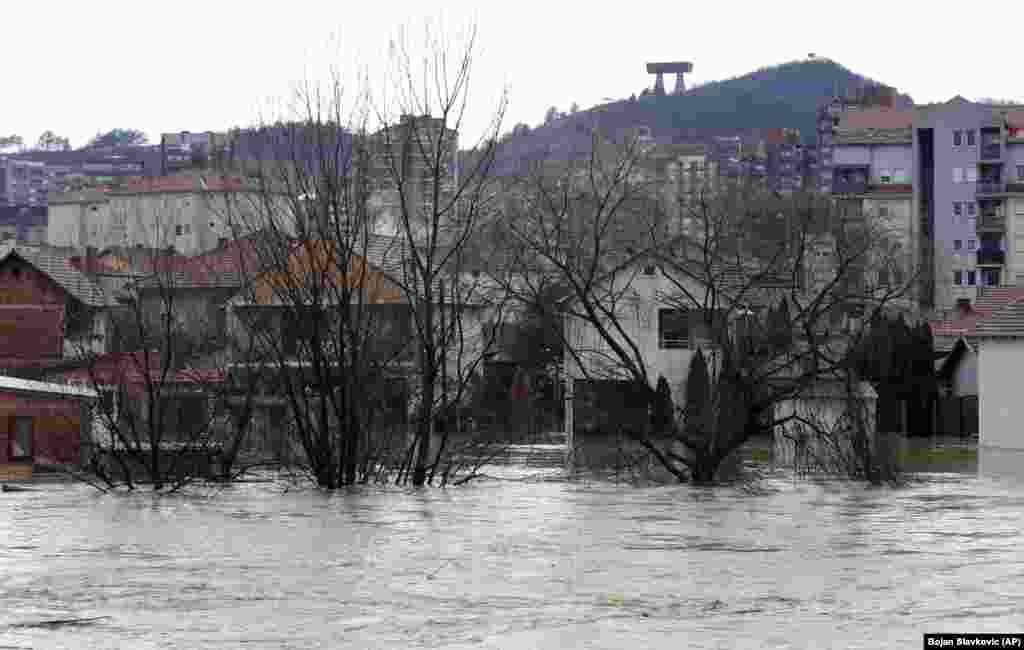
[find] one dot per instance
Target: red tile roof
(226, 267)
(876, 118)
(180, 183)
(991, 299)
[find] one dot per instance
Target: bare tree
(440, 200)
(771, 290)
(159, 419)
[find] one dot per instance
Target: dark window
(1020, 172)
(883, 211)
(971, 207)
(957, 138)
(970, 137)
(673, 328)
(970, 278)
(21, 441)
(958, 244)
(957, 208)
(958, 278)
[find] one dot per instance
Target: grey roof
(1007, 321)
(56, 265)
(873, 136)
(386, 253)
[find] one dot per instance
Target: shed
(41, 425)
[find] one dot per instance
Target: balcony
(991, 257)
(988, 187)
(991, 222)
(992, 152)
(850, 179)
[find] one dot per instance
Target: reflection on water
(528, 560)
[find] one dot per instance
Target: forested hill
(786, 95)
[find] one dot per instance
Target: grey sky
(78, 68)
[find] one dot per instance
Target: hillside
(786, 95)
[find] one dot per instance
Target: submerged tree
(772, 289)
(366, 311)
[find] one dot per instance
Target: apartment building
(23, 182)
(831, 113)
(951, 175)
(189, 213)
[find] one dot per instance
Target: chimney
(89, 263)
(963, 306)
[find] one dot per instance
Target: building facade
(953, 174)
(189, 213)
(23, 182)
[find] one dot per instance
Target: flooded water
(530, 561)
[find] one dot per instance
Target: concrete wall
(1000, 407)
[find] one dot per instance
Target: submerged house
(42, 425)
(49, 310)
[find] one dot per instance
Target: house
(1000, 358)
(957, 371)
(662, 338)
(41, 425)
(273, 320)
(48, 310)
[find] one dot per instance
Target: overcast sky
(78, 68)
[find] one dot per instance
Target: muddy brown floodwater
(531, 561)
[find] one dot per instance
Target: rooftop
(58, 267)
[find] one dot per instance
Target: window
(957, 137)
(1020, 172)
(958, 174)
(178, 231)
(958, 244)
(21, 441)
(883, 210)
(673, 329)
(971, 207)
(970, 244)
(972, 175)
(958, 278)
(957, 208)
(970, 278)
(970, 137)
(884, 176)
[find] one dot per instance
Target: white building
(190, 213)
(1000, 358)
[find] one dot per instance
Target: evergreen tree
(698, 392)
(662, 408)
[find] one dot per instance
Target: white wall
(638, 315)
(1000, 403)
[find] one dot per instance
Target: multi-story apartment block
(23, 182)
(951, 176)
(785, 158)
(189, 213)
(186, 150)
(871, 97)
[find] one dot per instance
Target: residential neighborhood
(372, 333)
